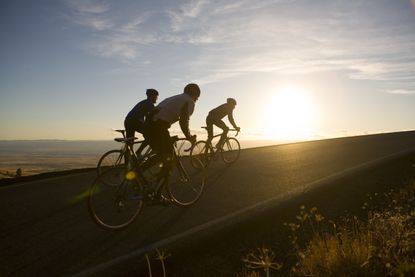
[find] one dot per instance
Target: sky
(299, 69)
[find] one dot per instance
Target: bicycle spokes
(231, 150)
(114, 201)
(186, 182)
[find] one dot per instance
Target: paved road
(45, 228)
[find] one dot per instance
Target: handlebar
(237, 132)
(174, 139)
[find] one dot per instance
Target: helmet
(152, 92)
(231, 101)
(192, 90)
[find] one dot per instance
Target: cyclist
(176, 108)
(134, 121)
(215, 118)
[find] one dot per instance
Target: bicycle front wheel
(186, 182)
(110, 159)
(201, 154)
(231, 150)
(115, 198)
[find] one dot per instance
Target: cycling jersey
(222, 111)
(170, 110)
(177, 107)
(140, 111)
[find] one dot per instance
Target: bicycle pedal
(163, 201)
(150, 195)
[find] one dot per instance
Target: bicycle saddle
(125, 140)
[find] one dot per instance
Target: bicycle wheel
(201, 154)
(231, 150)
(110, 159)
(185, 183)
(115, 198)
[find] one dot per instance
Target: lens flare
(79, 197)
(130, 175)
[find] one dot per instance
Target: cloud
(88, 6)
(263, 42)
(181, 17)
(192, 8)
(401, 91)
(223, 39)
(94, 23)
(90, 14)
(123, 46)
(132, 25)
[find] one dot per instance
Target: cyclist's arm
(231, 120)
(184, 120)
(148, 111)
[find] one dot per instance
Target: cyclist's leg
(151, 136)
(144, 144)
(166, 153)
(140, 149)
(225, 129)
(209, 128)
(130, 127)
(159, 140)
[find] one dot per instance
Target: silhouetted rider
(215, 118)
(134, 121)
(176, 108)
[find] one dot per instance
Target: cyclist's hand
(238, 129)
(192, 139)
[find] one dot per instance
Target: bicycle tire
(185, 183)
(231, 150)
(201, 153)
(114, 199)
(110, 159)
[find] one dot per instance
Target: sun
(288, 115)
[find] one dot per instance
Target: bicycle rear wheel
(115, 198)
(185, 183)
(231, 150)
(110, 159)
(201, 154)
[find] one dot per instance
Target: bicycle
(117, 156)
(117, 195)
(205, 152)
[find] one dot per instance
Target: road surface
(45, 228)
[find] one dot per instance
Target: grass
(346, 210)
(382, 244)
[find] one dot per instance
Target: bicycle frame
(124, 189)
(177, 162)
(135, 166)
(177, 158)
(219, 135)
(204, 151)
